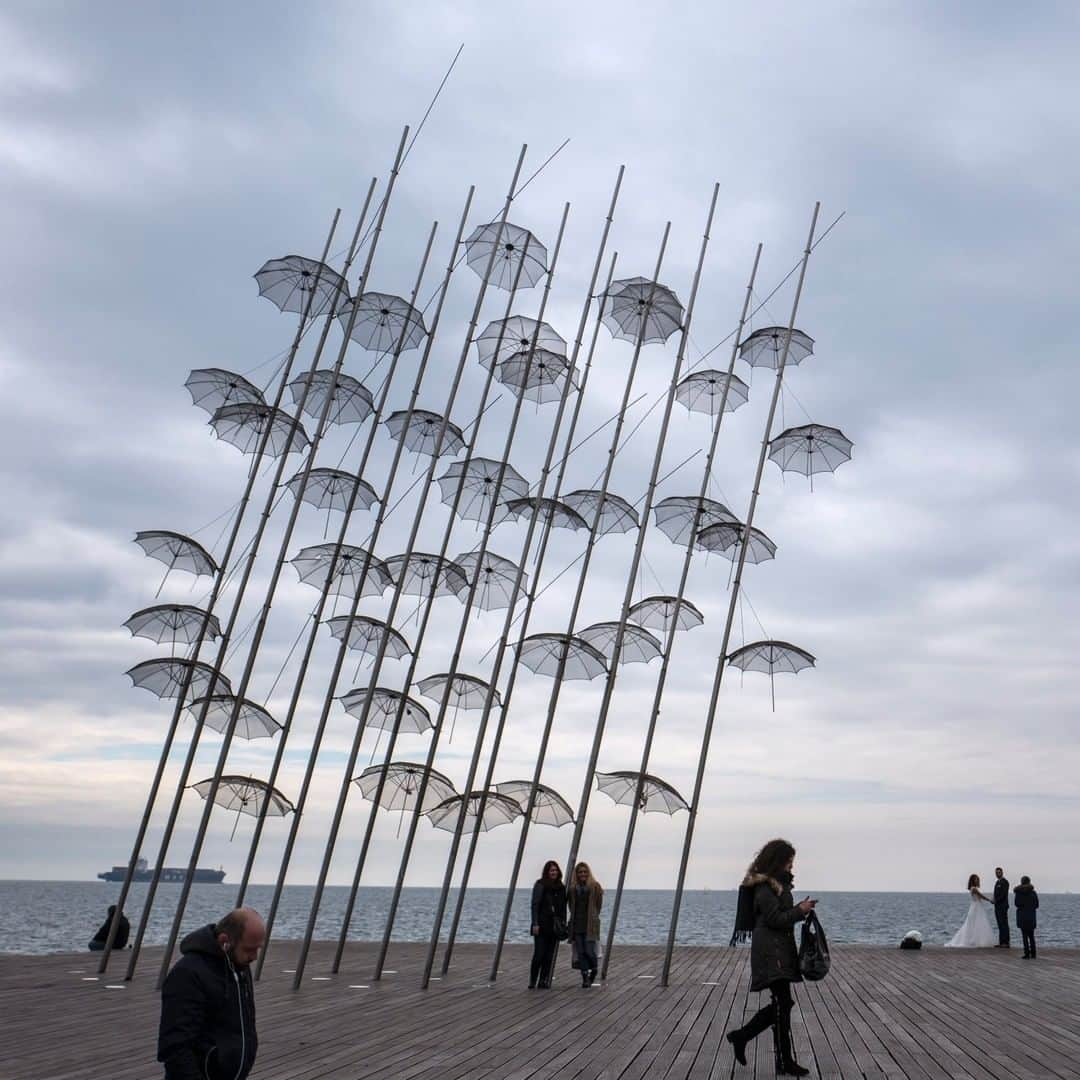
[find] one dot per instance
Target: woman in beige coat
(584, 897)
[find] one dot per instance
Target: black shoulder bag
(813, 950)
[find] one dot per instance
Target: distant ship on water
(174, 874)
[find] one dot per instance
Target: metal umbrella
(726, 536)
(166, 676)
(770, 657)
(535, 374)
(245, 795)
(400, 787)
(460, 691)
(175, 622)
(252, 720)
(366, 634)
(333, 489)
(549, 807)
(810, 449)
(638, 645)
(510, 244)
(640, 309)
(478, 479)
(616, 515)
(419, 431)
(313, 564)
(497, 810)
(541, 653)
(419, 573)
(675, 516)
(389, 708)
(513, 336)
(659, 612)
(383, 322)
(244, 426)
(213, 387)
(350, 400)
(497, 576)
(548, 512)
(657, 796)
(177, 552)
(765, 347)
(702, 391)
(295, 280)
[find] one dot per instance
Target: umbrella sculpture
(383, 322)
(549, 807)
(657, 796)
(366, 634)
(245, 425)
(702, 391)
(165, 677)
(548, 512)
(177, 552)
(511, 244)
(726, 536)
(675, 516)
(313, 565)
(765, 347)
(513, 336)
(658, 613)
(497, 576)
(771, 657)
(350, 400)
(461, 691)
(252, 721)
(616, 514)
(810, 449)
(497, 810)
(542, 653)
(211, 388)
(419, 573)
(536, 375)
(479, 480)
(389, 709)
(639, 308)
(333, 489)
(290, 281)
(175, 622)
(245, 795)
(419, 431)
(400, 789)
(638, 645)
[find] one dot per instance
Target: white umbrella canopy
(419, 432)
(365, 634)
(495, 588)
(616, 515)
(354, 568)
(245, 425)
(765, 347)
(210, 388)
(549, 807)
(657, 796)
(514, 248)
(727, 537)
(173, 623)
(350, 401)
(389, 708)
(702, 391)
(638, 645)
(675, 516)
(769, 657)
(542, 654)
(245, 795)
(252, 720)
(290, 282)
(497, 810)
(165, 677)
(512, 336)
(659, 612)
(640, 308)
(401, 788)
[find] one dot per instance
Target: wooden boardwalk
(880, 1013)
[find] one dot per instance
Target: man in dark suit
(1001, 907)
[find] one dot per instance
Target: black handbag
(558, 925)
(813, 950)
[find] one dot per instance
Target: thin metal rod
(586, 563)
(343, 792)
(474, 763)
(328, 584)
(545, 535)
(714, 697)
(669, 642)
(309, 772)
(226, 743)
(220, 581)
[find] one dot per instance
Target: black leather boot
(757, 1023)
(786, 1064)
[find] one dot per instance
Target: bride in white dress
(975, 932)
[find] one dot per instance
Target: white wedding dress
(976, 931)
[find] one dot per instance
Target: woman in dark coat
(1027, 903)
(768, 914)
(548, 909)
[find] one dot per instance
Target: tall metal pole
(714, 697)
(669, 643)
(553, 699)
(249, 667)
(309, 772)
(347, 777)
(628, 597)
(234, 533)
(324, 595)
(538, 563)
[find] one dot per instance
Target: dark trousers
(777, 1015)
(1001, 913)
(1029, 941)
(542, 958)
(586, 954)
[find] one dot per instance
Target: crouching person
(207, 1027)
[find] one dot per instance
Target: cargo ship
(174, 874)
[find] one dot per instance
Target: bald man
(208, 1002)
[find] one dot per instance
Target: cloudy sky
(153, 158)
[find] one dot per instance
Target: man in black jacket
(1001, 907)
(208, 1002)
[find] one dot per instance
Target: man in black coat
(1027, 903)
(207, 1027)
(1001, 907)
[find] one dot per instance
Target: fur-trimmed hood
(753, 880)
